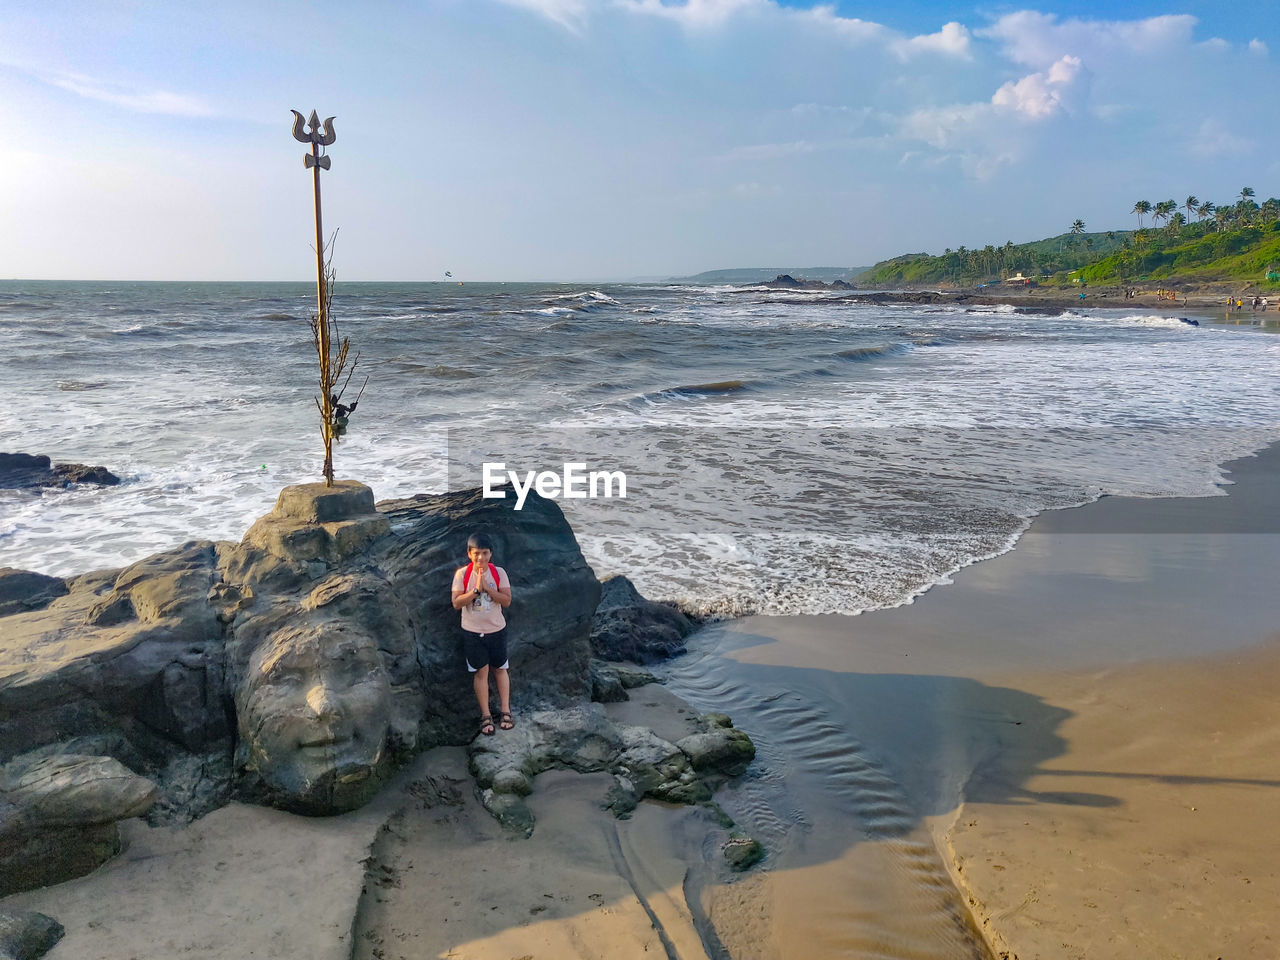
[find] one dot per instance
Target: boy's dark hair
(480, 541)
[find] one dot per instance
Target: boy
(481, 590)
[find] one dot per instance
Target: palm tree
(1192, 202)
(1204, 210)
(1270, 209)
(1223, 216)
(1176, 223)
(1077, 227)
(1164, 209)
(1141, 208)
(1246, 193)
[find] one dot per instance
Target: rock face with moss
(301, 666)
(585, 740)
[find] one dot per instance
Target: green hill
(1230, 243)
(1039, 258)
(1248, 253)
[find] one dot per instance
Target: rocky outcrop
(299, 666)
(554, 594)
(626, 626)
(611, 681)
(719, 747)
(135, 652)
(27, 935)
(784, 281)
(58, 816)
(584, 739)
(22, 590)
(30, 471)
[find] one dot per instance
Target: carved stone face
(315, 714)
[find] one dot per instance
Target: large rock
(27, 935)
(554, 593)
(28, 471)
(58, 816)
(299, 666)
(136, 652)
(626, 626)
(22, 590)
(719, 748)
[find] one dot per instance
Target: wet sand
(1072, 750)
(1084, 734)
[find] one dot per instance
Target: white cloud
(1214, 138)
(849, 28)
(1257, 46)
(771, 151)
(1039, 95)
(142, 101)
(984, 137)
(570, 14)
(952, 40)
(1040, 39)
(117, 94)
(944, 127)
(696, 13)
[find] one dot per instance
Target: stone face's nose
(321, 700)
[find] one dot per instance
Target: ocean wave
(1139, 320)
(586, 300)
(857, 354)
(696, 391)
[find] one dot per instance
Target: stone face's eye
(283, 676)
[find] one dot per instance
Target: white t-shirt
(482, 615)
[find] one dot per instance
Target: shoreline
(1200, 301)
(1083, 729)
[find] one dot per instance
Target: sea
(783, 451)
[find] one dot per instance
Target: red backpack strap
(466, 577)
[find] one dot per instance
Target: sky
(608, 139)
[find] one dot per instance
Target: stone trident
(315, 162)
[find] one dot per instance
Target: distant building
(1017, 278)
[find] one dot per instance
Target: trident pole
(322, 314)
(315, 161)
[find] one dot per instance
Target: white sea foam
(900, 466)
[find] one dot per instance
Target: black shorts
(485, 649)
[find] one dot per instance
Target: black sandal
(486, 725)
(505, 722)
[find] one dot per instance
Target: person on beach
(480, 591)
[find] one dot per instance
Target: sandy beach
(1070, 751)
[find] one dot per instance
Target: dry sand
(1071, 751)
